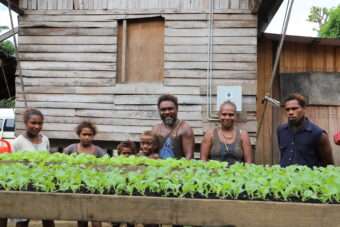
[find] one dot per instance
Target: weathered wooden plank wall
(131, 4)
(299, 57)
(69, 64)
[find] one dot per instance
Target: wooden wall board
(227, 49)
(236, 5)
(31, 65)
(90, 48)
(178, 211)
(67, 40)
(264, 145)
(217, 74)
(67, 31)
(66, 57)
(67, 74)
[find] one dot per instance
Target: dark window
(9, 125)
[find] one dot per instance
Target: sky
(4, 17)
(298, 24)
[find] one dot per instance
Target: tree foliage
(7, 103)
(331, 28)
(318, 15)
(6, 46)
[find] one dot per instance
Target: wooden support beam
(175, 211)
(124, 54)
(8, 34)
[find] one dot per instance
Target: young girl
(86, 132)
(32, 140)
(149, 145)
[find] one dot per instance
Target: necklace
(226, 147)
(226, 138)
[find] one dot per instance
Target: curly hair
(167, 97)
(86, 124)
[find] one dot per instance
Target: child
(86, 132)
(149, 145)
(32, 140)
(126, 148)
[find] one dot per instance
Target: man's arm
(206, 145)
(188, 142)
(325, 150)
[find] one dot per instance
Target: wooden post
(124, 54)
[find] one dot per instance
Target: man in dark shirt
(302, 142)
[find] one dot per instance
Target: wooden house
(109, 60)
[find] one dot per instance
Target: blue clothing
(300, 147)
(167, 149)
(171, 145)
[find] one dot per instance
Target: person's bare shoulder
(185, 129)
(155, 128)
(209, 133)
(244, 133)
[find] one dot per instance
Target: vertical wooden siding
(264, 147)
(301, 57)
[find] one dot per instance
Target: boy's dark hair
(31, 112)
(126, 144)
(296, 96)
(155, 140)
(86, 124)
(167, 97)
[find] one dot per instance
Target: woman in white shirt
(32, 140)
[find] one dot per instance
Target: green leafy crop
(44, 172)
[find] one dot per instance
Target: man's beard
(169, 121)
(295, 122)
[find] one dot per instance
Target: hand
(337, 138)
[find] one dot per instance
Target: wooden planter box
(133, 209)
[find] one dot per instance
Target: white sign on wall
(229, 93)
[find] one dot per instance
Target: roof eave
(14, 5)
